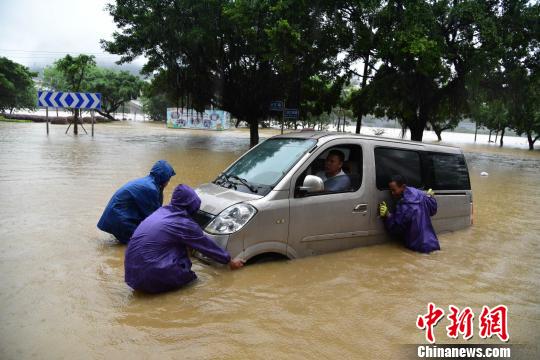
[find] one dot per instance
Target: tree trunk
(417, 125)
(416, 133)
(489, 140)
(75, 122)
(502, 135)
(237, 123)
(438, 132)
(364, 82)
(496, 136)
(358, 124)
(107, 115)
(531, 140)
(475, 130)
(253, 132)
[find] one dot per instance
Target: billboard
(182, 118)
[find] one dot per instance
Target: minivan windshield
(261, 169)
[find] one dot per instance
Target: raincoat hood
(157, 257)
(412, 196)
(162, 171)
(185, 198)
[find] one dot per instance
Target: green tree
(306, 39)
(17, 89)
(527, 118)
(507, 83)
(116, 88)
(73, 73)
(236, 55)
(156, 107)
(361, 17)
(82, 74)
(53, 79)
(426, 51)
(321, 96)
(515, 75)
(180, 39)
(154, 102)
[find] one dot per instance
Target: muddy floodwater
(62, 293)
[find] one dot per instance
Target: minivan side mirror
(312, 184)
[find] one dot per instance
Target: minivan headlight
(231, 219)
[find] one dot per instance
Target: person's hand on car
(236, 264)
(383, 209)
(430, 192)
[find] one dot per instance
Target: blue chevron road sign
(74, 100)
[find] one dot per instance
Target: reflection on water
(62, 292)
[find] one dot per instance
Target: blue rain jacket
(135, 201)
(411, 220)
(157, 255)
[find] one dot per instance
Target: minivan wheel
(266, 257)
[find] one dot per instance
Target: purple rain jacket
(411, 220)
(134, 201)
(157, 256)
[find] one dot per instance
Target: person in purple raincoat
(411, 219)
(157, 255)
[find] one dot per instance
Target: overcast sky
(37, 32)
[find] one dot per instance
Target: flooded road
(62, 293)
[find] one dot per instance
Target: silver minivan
(270, 202)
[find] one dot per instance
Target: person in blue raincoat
(157, 258)
(134, 201)
(411, 219)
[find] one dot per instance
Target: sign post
(47, 119)
(69, 100)
(279, 106)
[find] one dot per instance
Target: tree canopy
(417, 61)
(82, 74)
(236, 55)
(17, 89)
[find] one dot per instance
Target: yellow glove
(430, 192)
(383, 209)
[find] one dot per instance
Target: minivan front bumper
(221, 240)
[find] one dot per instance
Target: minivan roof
(331, 135)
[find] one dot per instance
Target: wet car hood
(215, 198)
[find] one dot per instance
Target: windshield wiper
(224, 178)
(243, 181)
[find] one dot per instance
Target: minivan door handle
(360, 208)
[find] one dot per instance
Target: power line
(53, 56)
(57, 52)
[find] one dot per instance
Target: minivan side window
(449, 172)
(392, 161)
(349, 179)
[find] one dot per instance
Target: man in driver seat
(333, 176)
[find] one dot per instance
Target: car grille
(203, 218)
